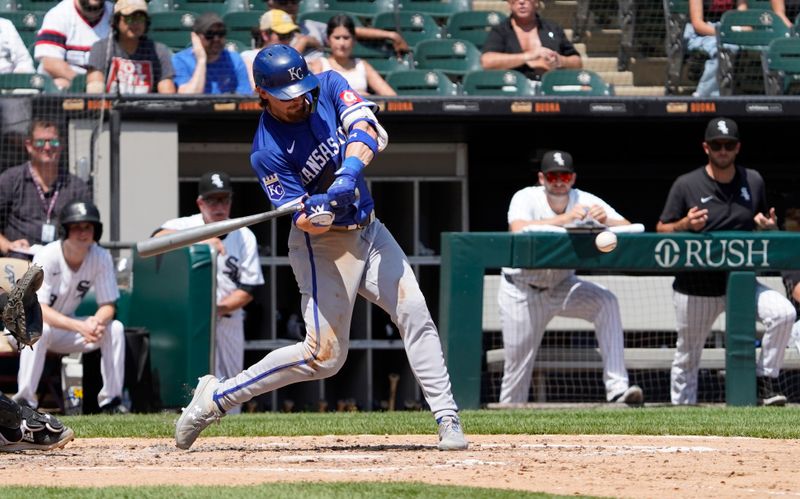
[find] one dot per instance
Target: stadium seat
(8, 6)
(323, 16)
(436, 8)
(366, 9)
(683, 68)
(497, 83)
(454, 57)
(27, 24)
(473, 25)
(237, 46)
(311, 6)
(569, 82)
(160, 6)
(78, 85)
(240, 25)
(742, 36)
(381, 56)
(172, 28)
(781, 65)
(202, 6)
(26, 83)
(36, 5)
(414, 26)
(422, 82)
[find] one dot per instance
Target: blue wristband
(359, 135)
(351, 166)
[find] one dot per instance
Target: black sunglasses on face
(209, 35)
(40, 143)
(716, 146)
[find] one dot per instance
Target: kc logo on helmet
(295, 73)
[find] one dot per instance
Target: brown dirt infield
(605, 465)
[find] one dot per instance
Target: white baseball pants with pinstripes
(112, 360)
(331, 269)
(229, 349)
(524, 314)
(694, 318)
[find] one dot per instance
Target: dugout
(452, 165)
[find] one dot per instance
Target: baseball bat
(394, 378)
(182, 238)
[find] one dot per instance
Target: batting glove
(318, 210)
(342, 192)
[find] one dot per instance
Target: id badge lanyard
(48, 229)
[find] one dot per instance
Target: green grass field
(761, 422)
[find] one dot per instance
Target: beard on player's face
(720, 160)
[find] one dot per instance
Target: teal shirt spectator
(226, 75)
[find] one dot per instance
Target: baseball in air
(606, 241)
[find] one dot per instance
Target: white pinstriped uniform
(696, 314)
(530, 298)
(63, 289)
(239, 266)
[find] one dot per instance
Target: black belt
(345, 228)
(533, 286)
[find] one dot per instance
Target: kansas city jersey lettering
(321, 155)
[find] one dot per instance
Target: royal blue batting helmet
(282, 71)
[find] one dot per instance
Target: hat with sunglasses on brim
(557, 161)
(206, 21)
(128, 7)
(722, 129)
(278, 21)
(214, 183)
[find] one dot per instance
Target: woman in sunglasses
(529, 298)
(361, 76)
(128, 62)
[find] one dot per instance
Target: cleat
(201, 412)
(451, 436)
(767, 394)
(39, 432)
(632, 396)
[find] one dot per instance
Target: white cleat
(201, 412)
(632, 396)
(451, 436)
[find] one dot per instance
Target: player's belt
(345, 228)
(510, 280)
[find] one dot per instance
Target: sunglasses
(40, 143)
(716, 145)
(138, 17)
(564, 177)
(210, 35)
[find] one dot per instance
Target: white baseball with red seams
(606, 241)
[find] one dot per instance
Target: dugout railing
(466, 258)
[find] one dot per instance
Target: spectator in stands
(721, 196)
(207, 67)
(68, 32)
(135, 64)
(275, 26)
(73, 265)
(359, 73)
(318, 31)
(779, 7)
(33, 193)
(529, 298)
(700, 34)
(238, 270)
(14, 55)
(529, 44)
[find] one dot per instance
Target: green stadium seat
(311, 6)
(422, 82)
(27, 24)
(160, 6)
(454, 57)
(36, 5)
(572, 82)
(240, 24)
(366, 9)
(742, 36)
(781, 65)
(436, 8)
(414, 26)
(322, 16)
(172, 28)
(8, 6)
(26, 83)
(500, 82)
(202, 6)
(473, 25)
(237, 46)
(78, 85)
(381, 56)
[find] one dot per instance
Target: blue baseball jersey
(292, 159)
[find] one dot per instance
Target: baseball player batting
(722, 196)
(314, 138)
(529, 298)
(238, 270)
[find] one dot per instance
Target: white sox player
(238, 270)
(530, 298)
(72, 266)
(722, 196)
